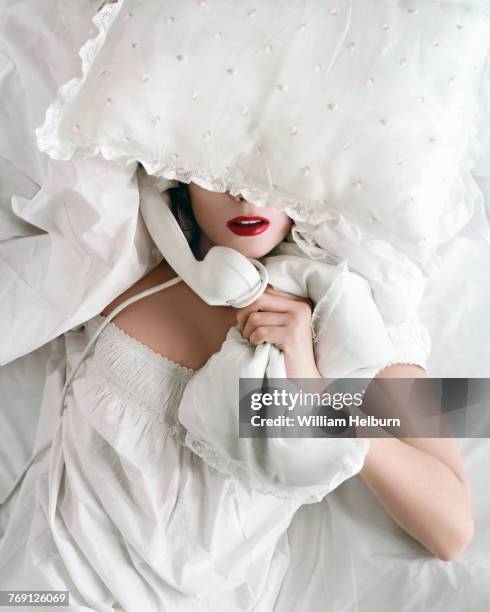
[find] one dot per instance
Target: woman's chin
(255, 251)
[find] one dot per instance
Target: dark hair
(182, 209)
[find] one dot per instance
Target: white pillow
(358, 119)
(365, 108)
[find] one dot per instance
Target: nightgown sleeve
(302, 470)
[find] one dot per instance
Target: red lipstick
(248, 226)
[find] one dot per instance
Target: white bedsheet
(348, 554)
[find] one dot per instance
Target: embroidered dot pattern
(328, 106)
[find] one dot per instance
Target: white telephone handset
(224, 277)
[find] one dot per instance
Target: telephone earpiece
(224, 277)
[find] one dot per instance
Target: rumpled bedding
(68, 245)
(349, 555)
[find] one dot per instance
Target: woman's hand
(282, 319)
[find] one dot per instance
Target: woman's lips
(248, 226)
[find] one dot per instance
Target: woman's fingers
(272, 334)
(261, 319)
(273, 301)
(284, 320)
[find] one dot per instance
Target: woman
(421, 482)
(120, 512)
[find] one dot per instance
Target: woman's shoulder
(157, 320)
(174, 322)
(158, 275)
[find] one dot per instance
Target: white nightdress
(121, 513)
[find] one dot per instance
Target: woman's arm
(422, 484)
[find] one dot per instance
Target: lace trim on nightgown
(168, 364)
(251, 479)
(148, 379)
